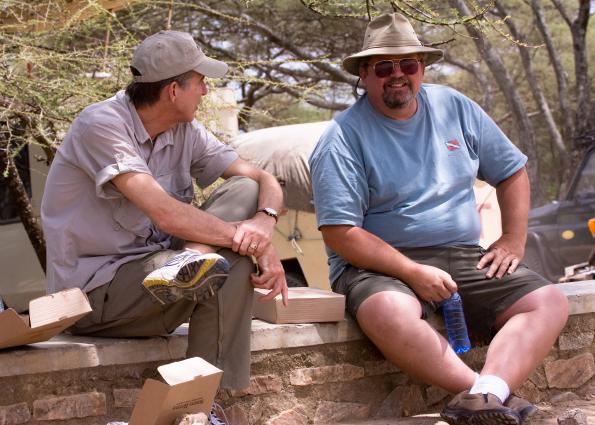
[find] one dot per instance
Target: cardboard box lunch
(190, 387)
(48, 316)
(306, 305)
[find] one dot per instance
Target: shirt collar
(137, 125)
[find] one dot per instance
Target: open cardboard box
(306, 305)
(190, 387)
(48, 316)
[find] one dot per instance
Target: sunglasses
(384, 68)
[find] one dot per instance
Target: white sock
(476, 378)
(491, 384)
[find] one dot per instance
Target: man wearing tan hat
(393, 188)
(119, 224)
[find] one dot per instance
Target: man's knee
(549, 300)
(234, 200)
(555, 302)
(388, 310)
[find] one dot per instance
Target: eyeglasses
(384, 68)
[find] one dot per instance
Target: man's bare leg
(392, 320)
(528, 330)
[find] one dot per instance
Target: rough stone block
(256, 411)
(67, 407)
(15, 414)
(538, 378)
(261, 384)
(195, 419)
(323, 374)
(570, 373)
(289, 417)
(402, 401)
(126, 397)
(382, 367)
(475, 358)
(529, 391)
(435, 394)
(575, 340)
(564, 397)
(236, 415)
(572, 417)
(331, 412)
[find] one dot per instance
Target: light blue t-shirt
(410, 182)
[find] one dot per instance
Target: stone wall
(292, 385)
(336, 382)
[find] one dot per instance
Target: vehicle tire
(532, 259)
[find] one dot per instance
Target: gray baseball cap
(169, 53)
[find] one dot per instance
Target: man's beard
(394, 100)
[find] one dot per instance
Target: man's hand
(506, 253)
(431, 283)
(504, 256)
(253, 236)
(272, 275)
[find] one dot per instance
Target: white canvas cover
(284, 151)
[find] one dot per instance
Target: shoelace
(214, 419)
(179, 258)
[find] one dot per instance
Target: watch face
(271, 211)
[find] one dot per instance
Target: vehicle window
(586, 183)
(8, 208)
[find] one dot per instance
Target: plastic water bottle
(454, 320)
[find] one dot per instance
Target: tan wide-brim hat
(390, 34)
(168, 54)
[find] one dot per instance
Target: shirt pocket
(132, 219)
(178, 185)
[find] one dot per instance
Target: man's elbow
(334, 236)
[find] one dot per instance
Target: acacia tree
(284, 49)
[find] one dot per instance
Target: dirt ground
(547, 415)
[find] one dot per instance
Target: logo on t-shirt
(452, 145)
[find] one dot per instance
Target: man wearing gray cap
(119, 224)
(393, 184)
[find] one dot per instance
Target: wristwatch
(270, 212)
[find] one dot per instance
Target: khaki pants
(220, 327)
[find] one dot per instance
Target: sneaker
(214, 419)
(478, 409)
(521, 406)
(187, 275)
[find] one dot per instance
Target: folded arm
(258, 230)
(172, 216)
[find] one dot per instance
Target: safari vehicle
(558, 234)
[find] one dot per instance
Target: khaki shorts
(483, 299)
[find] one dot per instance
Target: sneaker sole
(196, 281)
(483, 418)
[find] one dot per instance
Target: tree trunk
(526, 135)
(584, 106)
(562, 81)
(19, 195)
(538, 95)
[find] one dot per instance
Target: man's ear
(171, 91)
(363, 70)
